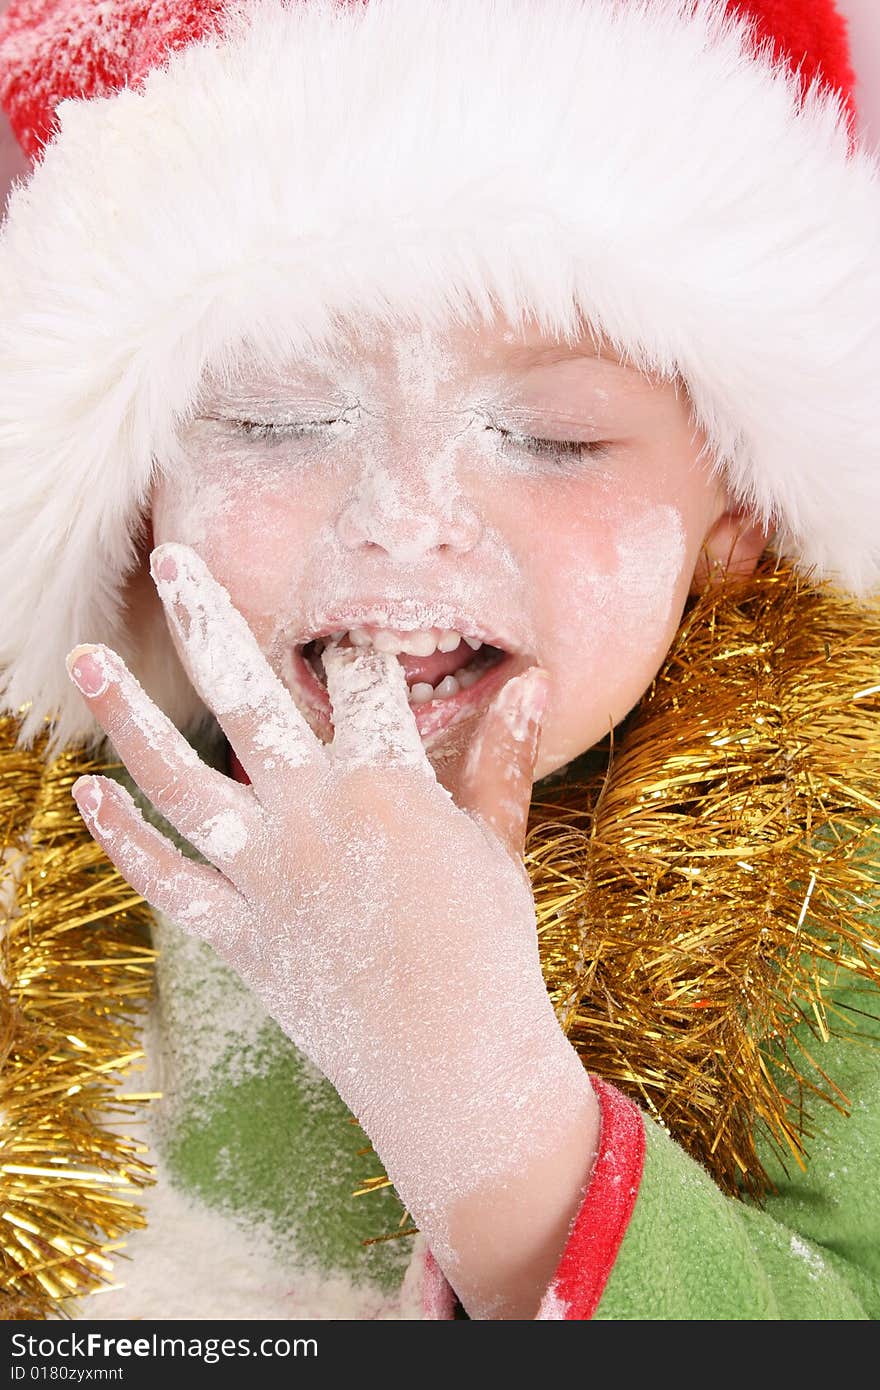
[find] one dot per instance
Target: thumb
(496, 782)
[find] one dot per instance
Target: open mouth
(448, 674)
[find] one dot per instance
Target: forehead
(493, 342)
(419, 363)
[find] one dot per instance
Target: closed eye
(265, 429)
(275, 431)
(552, 448)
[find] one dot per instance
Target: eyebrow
(549, 356)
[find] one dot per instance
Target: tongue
(432, 668)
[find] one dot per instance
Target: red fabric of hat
(58, 49)
(811, 35)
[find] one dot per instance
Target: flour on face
(406, 497)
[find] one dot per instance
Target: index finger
(231, 673)
(372, 717)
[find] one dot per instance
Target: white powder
(194, 911)
(225, 1034)
(811, 1257)
(650, 554)
(553, 1306)
(222, 836)
(190, 892)
(330, 945)
(623, 586)
(202, 1262)
(154, 727)
(396, 487)
(401, 514)
(327, 951)
(229, 669)
(372, 716)
(197, 1262)
(194, 1262)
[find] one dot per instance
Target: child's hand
(389, 932)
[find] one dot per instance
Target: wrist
(464, 1097)
(506, 1237)
(494, 1182)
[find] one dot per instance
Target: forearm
(493, 1165)
(508, 1236)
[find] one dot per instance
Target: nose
(408, 518)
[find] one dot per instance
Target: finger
(266, 730)
(215, 814)
(197, 898)
(496, 782)
(372, 718)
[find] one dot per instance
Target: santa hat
(683, 174)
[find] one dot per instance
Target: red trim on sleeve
(438, 1295)
(597, 1230)
(600, 1224)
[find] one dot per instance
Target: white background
(864, 20)
(864, 35)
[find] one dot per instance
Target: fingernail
(162, 565)
(89, 670)
(526, 702)
(87, 795)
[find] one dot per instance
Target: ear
(734, 546)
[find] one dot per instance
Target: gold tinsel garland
(695, 896)
(698, 896)
(74, 972)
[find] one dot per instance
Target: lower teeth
(420, 693)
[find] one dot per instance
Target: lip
(433, 716)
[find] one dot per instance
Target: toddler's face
(399, 485)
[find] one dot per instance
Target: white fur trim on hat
(635, 162)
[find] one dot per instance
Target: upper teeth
(423, 642)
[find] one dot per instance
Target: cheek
(618, 582)
(252, 535)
